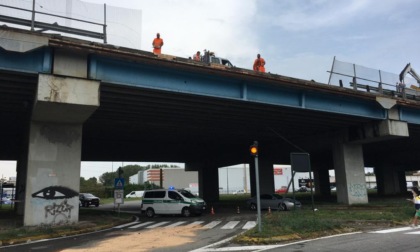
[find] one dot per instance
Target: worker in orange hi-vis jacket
(197, 56)
(259, 64)
(157, 44)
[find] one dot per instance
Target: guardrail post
(354, 83)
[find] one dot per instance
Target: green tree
(107, 179)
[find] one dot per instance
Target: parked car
(171, 201)
(6, 201)
(274, 201)
(87, 199)
(135, 194)
(282, 189)
(239, 192)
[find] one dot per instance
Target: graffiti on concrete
(358, 190)
(55, 192)
(61, 213)
(56, 213)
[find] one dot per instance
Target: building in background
(234, 179)
(171, 177)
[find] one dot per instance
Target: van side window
(155, 194)
(174, 195)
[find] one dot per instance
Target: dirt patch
(143, 241)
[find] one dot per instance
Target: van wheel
(186, 212)
(150, 212)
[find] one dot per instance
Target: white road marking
(176, 224)
(230, 225)
(142, 224)
(249, 224)
(212, 224)
(158, 224)
(392, 230)
(127, 224)
(195, 223)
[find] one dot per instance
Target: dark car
(87, 199)
(273, 201)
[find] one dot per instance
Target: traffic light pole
(258, 194)
(254, 152)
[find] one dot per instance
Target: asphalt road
(224, 223)
(217, 229)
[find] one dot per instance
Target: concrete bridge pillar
(322, 182)
(266, 175)
(350, 173)
(208, 180)
(54, 152)
(389, 180)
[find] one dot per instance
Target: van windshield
(186, 194)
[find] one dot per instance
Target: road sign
(118, 196)
(119, 183)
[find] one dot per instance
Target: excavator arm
(409, 70)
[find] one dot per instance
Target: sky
(297, 38)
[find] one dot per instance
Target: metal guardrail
(379, 86)
(55, 27)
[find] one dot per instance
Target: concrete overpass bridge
(66, 100)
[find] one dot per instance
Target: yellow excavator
(409, 70)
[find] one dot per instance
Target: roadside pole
(254, 152)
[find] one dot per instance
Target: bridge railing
(357, 77)
(43, 26)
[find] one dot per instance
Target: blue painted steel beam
(35, 61)
(410, 115)
(142, 75)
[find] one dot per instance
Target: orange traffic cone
(269, 210)
(212, 210)
(237, 210)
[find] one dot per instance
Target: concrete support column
(208, 179)
(266, 176)
(53, 179)
(20, 185)
(54, 151)
(387, 179)
(266, 173)
(350, 173)
(322, 182)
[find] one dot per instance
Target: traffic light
(253, 149)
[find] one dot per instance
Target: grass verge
(329, 219)
(12, 231)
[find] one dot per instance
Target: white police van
(171, 201)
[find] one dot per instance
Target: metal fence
(357, 77)
(75, 18)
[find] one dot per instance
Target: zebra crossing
(407, 230)
(245, 225)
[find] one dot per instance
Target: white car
(239, 192)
